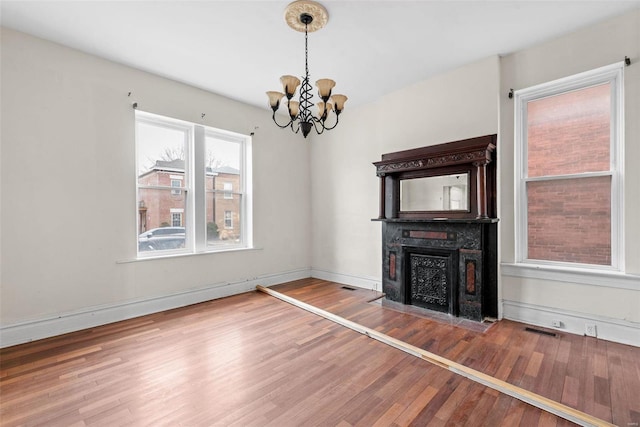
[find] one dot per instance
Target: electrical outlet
(590, 330)
(556, 324)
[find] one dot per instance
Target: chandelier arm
(278, 124)
(334, 125)
(297, 128)
(317, 122)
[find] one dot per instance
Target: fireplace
(439, 231)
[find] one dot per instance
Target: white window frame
(194, 217)
(613, 75)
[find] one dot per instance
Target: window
(228, 219)
(176, 219)
(570, 177)
(193, 179)
(176, 182)
(228, 188)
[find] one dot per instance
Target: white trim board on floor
(23, 332)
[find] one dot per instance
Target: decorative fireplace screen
(431, 279)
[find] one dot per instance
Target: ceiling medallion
(293, 13)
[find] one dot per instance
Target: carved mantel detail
(479, 156)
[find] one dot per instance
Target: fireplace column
(481, 193)
(381, 215)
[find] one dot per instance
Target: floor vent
(348, 288)
(538, 331)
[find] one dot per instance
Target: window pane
(176, 183)
(162, 219)
(223, 219)
(223, 183)
(569, 220)
(228, 190)
(569, 133)
(223, 160)
(160, 149)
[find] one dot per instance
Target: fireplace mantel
(440, 220)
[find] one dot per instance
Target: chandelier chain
(305, 88)
(306, 50)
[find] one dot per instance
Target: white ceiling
(240, 48)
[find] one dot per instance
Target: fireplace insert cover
(432, 279)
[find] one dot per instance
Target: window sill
(608, 279)
(186, 255)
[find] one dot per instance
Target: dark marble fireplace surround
(444, 260)
(442, 265)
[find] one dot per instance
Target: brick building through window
(163, 208)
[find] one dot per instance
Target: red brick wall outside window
(569, 220)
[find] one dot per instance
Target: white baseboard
(358, 281)
(95, 316)
(616, 330)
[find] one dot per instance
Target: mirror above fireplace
(435, 193)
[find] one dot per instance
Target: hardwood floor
(254, 360)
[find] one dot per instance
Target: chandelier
(307, 16)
